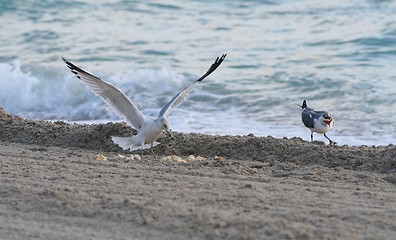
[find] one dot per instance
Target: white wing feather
(111, 95)
(179, 98)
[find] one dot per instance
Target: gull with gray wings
(317, 121)
(149, 130)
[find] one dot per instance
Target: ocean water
(338, 55)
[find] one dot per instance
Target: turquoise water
(339, 56)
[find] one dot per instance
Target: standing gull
(148, 129)
(317, 121)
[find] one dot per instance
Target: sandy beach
(69, 181)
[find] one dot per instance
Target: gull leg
(311, 136)
(141, 153)
(330, 141)
(151, 151)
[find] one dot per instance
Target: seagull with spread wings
(149, 130)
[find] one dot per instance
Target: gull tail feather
(124, 142)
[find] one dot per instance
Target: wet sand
(54, 186)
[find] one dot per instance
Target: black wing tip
(213, 67)
(65, 60)
(68, 63)
(78, 71)
(73, 68)
(219, 60)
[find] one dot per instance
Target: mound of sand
(262, 149)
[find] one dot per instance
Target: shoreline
(55, 186)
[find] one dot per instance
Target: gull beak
(328, 120)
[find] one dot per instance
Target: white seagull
(317, 121)
(148, 129)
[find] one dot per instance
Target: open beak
(328, 120)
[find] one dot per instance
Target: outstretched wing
(111, 95)
(179, 98)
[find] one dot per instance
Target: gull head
(164, 124)
(327, 119)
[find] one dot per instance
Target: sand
(54, 186)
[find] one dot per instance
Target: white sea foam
(62, 96)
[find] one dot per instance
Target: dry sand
(53, 186)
